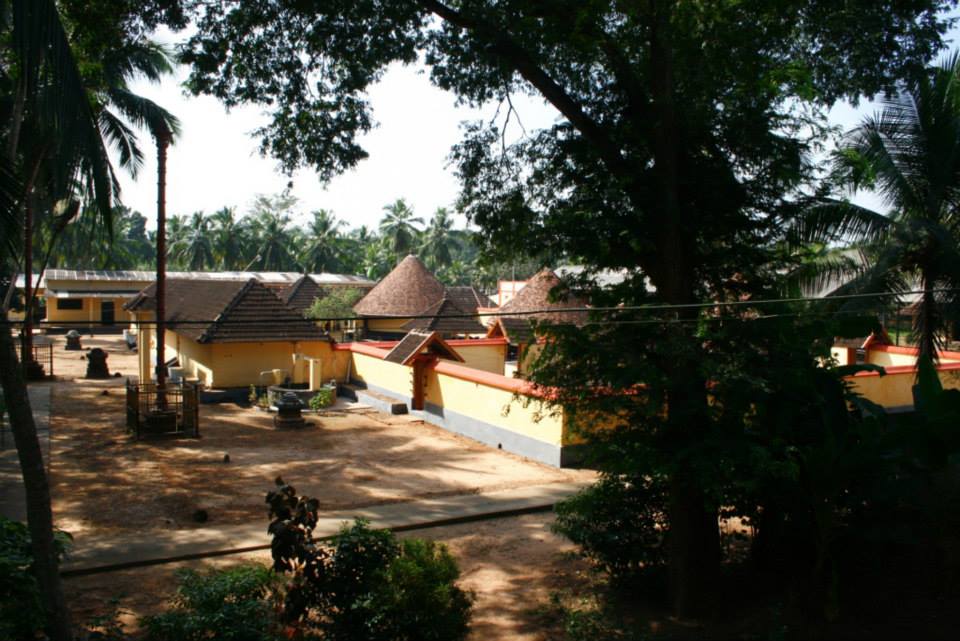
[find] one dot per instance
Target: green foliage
(619, 522)
(237, 604)
(366, 584)
(21, 607)
(335, 302)
(323, 398)
(917, 244)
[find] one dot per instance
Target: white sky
(215, 163)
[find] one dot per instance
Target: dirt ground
(103, 481)
(512, 565)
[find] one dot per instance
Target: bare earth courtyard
(104, 483)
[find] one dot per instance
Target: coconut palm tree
(51, 146)
(323, 251)
(272, 237)
(438, 241)
(119, 108)
(194, 249)
(909, 153)
(399, 227)
(229, 239)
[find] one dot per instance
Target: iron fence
(173, 411)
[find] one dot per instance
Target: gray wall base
(492, 435)
(470, 427)
(385, 405)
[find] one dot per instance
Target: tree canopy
(682, 149)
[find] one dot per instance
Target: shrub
(619, 523)
(323, 398)
(237, 604)
(366, 584)
(21, 610)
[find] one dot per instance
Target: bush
(21, 611)
(323, 398)
(366, 584)
(619, 523)
(237, 604)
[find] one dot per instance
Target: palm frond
(830, 221)
(124, 140)
(143, 112)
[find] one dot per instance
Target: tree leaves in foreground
(366, 584)
(681, 150)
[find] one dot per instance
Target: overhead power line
(657, 307)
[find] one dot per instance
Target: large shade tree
(683, 127)
(908, 153)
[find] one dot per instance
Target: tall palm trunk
(163, 139)
(927, 319)
(36, 487)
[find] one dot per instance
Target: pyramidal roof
(535, 296)
(406, 291)
(234, 312)
(446, 317)
(301, 294)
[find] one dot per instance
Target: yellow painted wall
(90, 313)
(195, 358)
(384, 374)
(889, 359)
(896, 390)
(485, 403)
(488, 358)
(387, 324)
(240, 364)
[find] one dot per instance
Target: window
(69, 303)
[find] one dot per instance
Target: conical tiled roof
(535, 299)
(406, 291)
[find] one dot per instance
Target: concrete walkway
(12, 500)
(92, 556)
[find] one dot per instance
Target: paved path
(90, 556)
(12, 500)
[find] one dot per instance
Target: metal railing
(173, 411)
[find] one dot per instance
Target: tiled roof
(535, 296)
(468, 299)
(533, 303)
(446, 317)
(235, 312)
(406, 291)
(516, 330)
(301, 294)
(415, 342)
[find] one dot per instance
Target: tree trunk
(694, 546)
(26, 336)
(694, 531)
(36, 487)
(927, 323)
